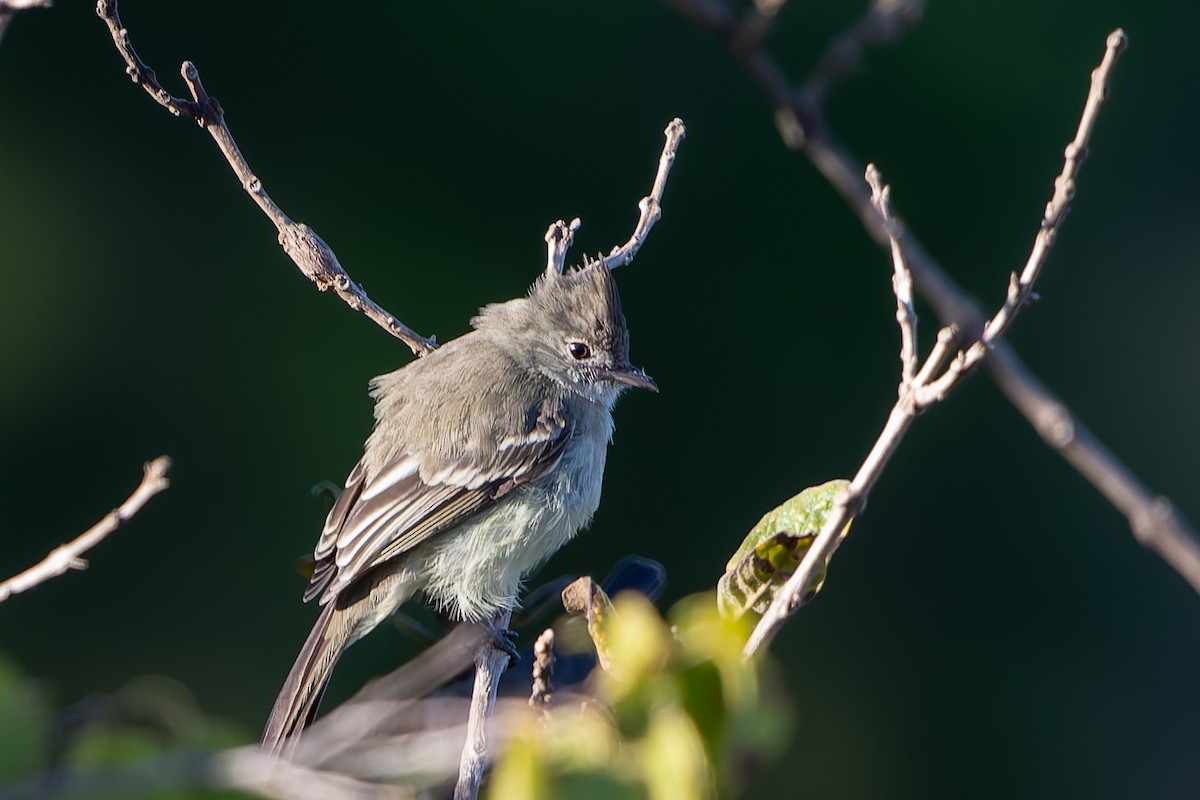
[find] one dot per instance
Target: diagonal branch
(307, 250)
(70, 555)
(1154, 520)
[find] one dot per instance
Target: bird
(486, 457)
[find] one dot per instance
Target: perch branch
(314, 258)
(1155, 521)
(490, 664)
(70, 555)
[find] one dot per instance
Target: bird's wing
(381, 516)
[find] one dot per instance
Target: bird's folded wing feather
(381, 516)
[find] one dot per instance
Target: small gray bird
(486, 457)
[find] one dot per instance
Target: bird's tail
(305, 685)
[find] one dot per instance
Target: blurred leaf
(675, 763)
(114, 745)
(596, 784)
(639, 641)
(24, 724)
(701, 696)
(150, 715)
(770, 553)
(520, 773)
(679, 712)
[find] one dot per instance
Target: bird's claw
(505, 641)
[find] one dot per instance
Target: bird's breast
(477, 569)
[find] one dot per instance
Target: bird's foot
(505, 641)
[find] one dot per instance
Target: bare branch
(922, 389)
(1155, 522)
(1154, 519)
(70, 555)
(650, 207)
(490, 664)
(906, 315)
(884, 23)
(10, 7)
(755, 25)
(315, 260)
(1020, 288)
(559, 237)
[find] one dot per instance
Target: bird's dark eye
(579, 350)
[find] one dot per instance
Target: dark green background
(990, 629)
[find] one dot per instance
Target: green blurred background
(990, 628)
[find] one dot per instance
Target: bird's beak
(632, 376)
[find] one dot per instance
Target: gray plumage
(487, 456)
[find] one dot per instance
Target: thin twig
(650, 208)
(307, 250)
(756, 23)
(10, 7)
(906, 315)
(490, 664)
(884, 23)
(1155, 521)
(559, 237)
(70, 555)
(1020, 287)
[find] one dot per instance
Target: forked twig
(307, 250)
(930, 384)
(70, 555)
(561, 235)
(1154, 520)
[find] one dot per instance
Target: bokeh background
(989, 629)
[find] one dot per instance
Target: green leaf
(770, 553)
(24, 725)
